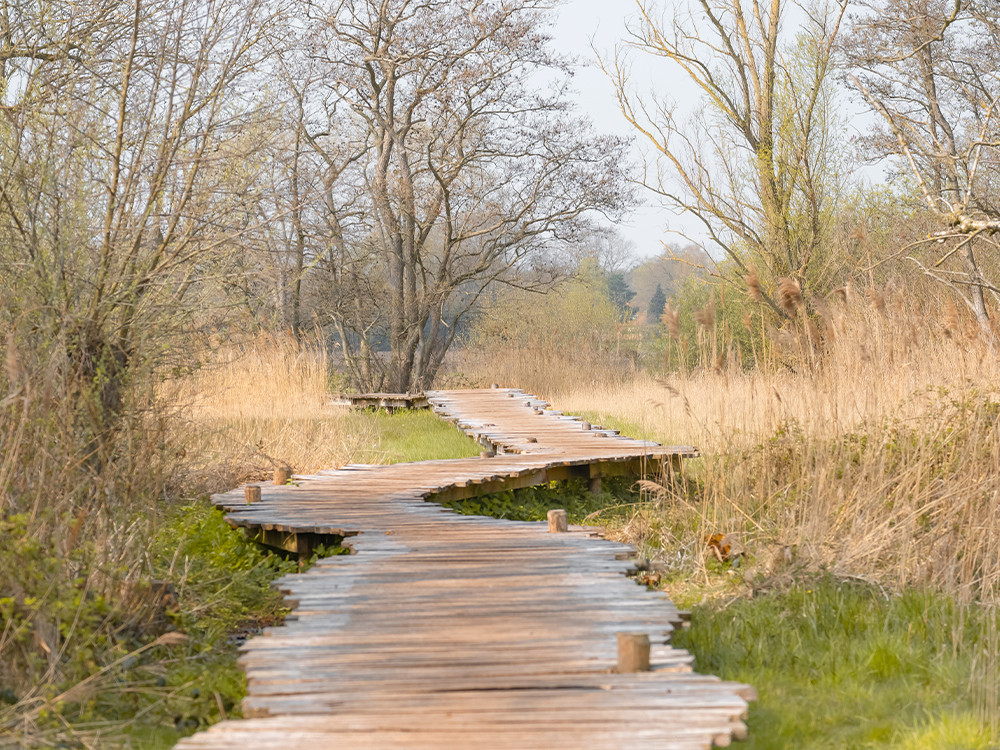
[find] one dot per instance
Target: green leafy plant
(534, 503)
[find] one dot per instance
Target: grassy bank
(839, 664)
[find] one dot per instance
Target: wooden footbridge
(451, 631)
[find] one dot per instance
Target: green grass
(533, 503)
(167, 667)
(626, 427)
(838, 665)
(411, 435)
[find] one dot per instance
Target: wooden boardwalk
(449, 631)
(389, 401)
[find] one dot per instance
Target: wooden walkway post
(252, 493)
(557, 521)
(282, 474)
(633, 652)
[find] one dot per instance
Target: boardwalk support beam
(390, 402)
(301, 543)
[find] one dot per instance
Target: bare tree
(285, 252)
(453, 162)
(613, 252)
(131, 144)
(124, 175)
(754, 164)
(931, 70)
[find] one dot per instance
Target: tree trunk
(977, 298)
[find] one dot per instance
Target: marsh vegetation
(214, 214)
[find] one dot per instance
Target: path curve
(450, 631)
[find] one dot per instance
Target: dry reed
(875, 457)
(753, 286)
(881, 459)
(789, 295)
(672, 320)
(705, 317)
(261, 405)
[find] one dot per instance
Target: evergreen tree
(656, 304)
(621, 295)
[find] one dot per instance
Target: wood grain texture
(449, 631)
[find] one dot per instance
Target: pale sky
(604, 20)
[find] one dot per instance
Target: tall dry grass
(871, 450)
(876, 454)
(76, 512)
(260, 405)
(879, 365)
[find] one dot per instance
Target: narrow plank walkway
(449, 631)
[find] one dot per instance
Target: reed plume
(752, 281)
(672, 320)
(789, 295)
(717, 364)
(706, 315)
